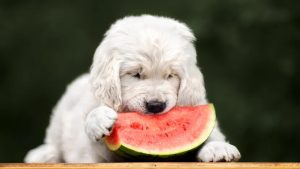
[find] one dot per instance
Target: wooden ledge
(164, 165)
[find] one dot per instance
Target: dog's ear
(191, 91)
(105, 77)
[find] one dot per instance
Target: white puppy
(145, 64)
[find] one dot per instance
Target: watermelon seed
(184, 127)
(136, 126)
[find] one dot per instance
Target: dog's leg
(49, 152)
(45, 153)
(99, 122)
(217, 149)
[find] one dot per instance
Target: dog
(144, 63)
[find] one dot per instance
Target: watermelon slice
(173, 133)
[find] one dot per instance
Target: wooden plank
(164, 165)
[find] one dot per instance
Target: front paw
(218, 151)
(99, 122)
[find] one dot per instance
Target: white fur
(218, 151)
(99, 121)
(160, 50)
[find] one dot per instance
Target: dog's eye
(170, 76)
(137, 75)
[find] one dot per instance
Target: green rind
(132, 153)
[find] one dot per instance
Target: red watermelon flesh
(175, 132)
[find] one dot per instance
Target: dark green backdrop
(248, 51)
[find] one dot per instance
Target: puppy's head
(147, 64)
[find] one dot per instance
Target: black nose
(155, 106)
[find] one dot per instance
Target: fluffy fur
(141, 58)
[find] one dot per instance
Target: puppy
(144, 63)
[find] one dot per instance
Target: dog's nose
(155, 106)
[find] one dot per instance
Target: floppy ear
(105, 77)
(191, 91)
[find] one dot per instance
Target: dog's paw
(43, 154)
(99, 122)
(218, 151)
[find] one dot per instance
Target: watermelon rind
(128, 151)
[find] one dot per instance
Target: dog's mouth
(151, 113)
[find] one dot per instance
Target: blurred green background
(248, 51)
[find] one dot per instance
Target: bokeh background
(248, 51)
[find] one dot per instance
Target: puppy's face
(150, 86)
(147, 64)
